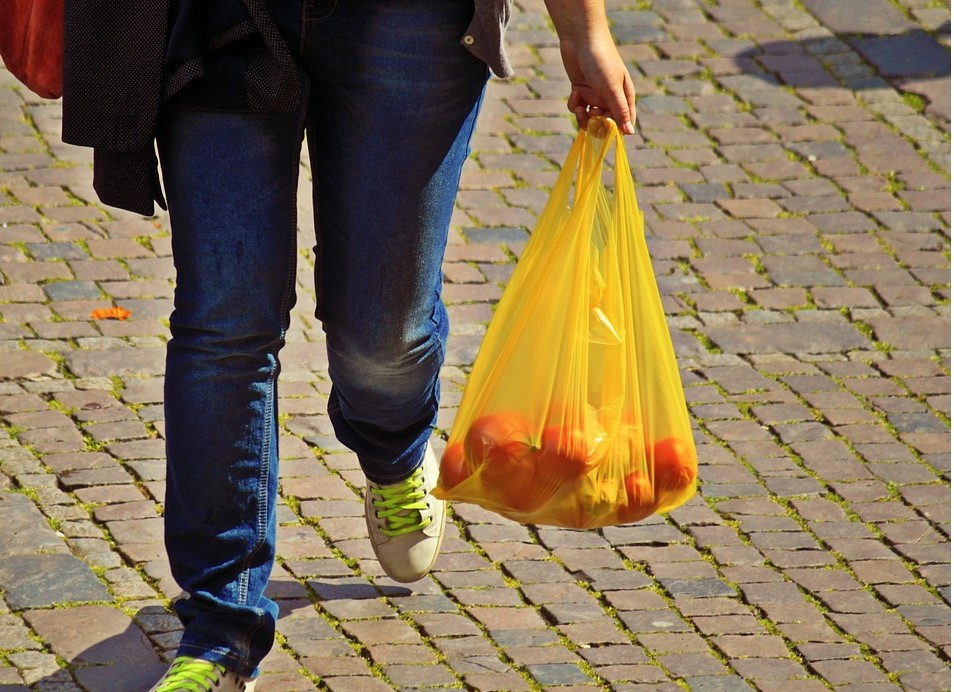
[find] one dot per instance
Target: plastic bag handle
(583, 162)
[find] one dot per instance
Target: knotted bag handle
(286, 94)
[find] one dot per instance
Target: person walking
(388, 93)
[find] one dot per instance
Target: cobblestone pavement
(792, 159)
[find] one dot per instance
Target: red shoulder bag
(31, 44)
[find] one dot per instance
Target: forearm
(599, 79)
(577, 18)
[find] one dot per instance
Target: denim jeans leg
(230, 181)
(394, 100)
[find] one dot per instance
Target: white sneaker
(406, 522)
(187, 674)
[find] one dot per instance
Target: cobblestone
(793, 163)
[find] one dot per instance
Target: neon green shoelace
(192, 675)
(401, 506)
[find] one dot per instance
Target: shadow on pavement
(105, 649)
(109, 652)
(912, 61)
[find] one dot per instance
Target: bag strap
(285, 94)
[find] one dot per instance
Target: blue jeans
(393, 99)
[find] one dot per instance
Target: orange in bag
(454, 467)
(674, 471)
(500, 446)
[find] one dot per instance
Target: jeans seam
(261, 518)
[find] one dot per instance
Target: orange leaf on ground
(113, 313)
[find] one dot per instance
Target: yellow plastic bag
(574, 414)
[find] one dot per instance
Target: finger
(622, 105)
(576, 104)
(629, 89)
